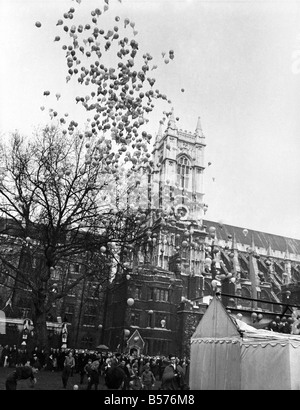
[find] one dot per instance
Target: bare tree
(53, 214)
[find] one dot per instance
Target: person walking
(93, 375)
(173, 376)
(147, 378)
(69, 364)
(82, 362)
(135, 382)
(20, 373)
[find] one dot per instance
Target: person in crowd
(135, 382)
(20, 373)
(147, 378)
(35, 361)
(69, 364)
(93, 375)
(135, 365)
(82, 362)
(115, 378)
(4, 354)
(60, 355)
(173, 376)
(124, 366)
(42, 357)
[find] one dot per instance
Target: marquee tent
(228, 354)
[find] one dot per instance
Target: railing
(286, 306)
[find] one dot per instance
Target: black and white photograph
(149, 197)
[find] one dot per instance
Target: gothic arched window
(183, 169)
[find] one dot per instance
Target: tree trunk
(40, 325)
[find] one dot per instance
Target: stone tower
(177, 179)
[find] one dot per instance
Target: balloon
(130, 302)
(47, 93)
(254, 316)
(245, 232)
(57, 38)
(38, 24)
(214, 283)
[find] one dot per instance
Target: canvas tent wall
(215, 351)
(270, 364)
(223, 360)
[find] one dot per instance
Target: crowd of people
(126, 371)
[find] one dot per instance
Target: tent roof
(216, 323)
(251, 333)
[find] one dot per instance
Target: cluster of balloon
(120, 96)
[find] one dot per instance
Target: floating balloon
(38, 24)
(130, 302)
(47, 93)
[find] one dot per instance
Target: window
(161, 320)
(75, 268)
(162, 295)
(87, 342)
(72, 291)
(138, 293)
(159, 295)
(135, 319)
(55, 274)
(90, 314)
(245, 293)
(24, 312)
(150, 295)
(69, 312)
(183, 169)
(34, 262)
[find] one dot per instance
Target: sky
(236, 65)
